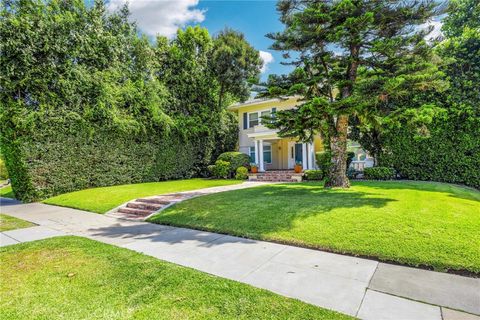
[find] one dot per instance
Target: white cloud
(162, 17)
(266, 58)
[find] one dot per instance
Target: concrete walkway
(141, 209)
(359, 287)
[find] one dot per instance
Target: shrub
(324, 162)
(379, 173)
(236, 160)
(221, 169)
(313, 174)
(242, 173)
(211, 170)
(3, 170)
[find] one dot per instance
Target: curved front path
(141, 209)
(359, 287)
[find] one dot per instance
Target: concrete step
(136, 212)
(153, 200)
(144, 206)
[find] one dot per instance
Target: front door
(294, 154)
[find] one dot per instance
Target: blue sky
(255, 18)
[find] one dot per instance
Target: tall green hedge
(451, 152)
(49, 162)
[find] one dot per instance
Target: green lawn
(416, 223)
(78, 278)
(7, 192)
(103, 199)
(12, 223)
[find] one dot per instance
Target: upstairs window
(252, 119)
(255, 118)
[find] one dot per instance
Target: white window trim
(251, 150)
(259, 113)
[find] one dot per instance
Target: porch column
(304, 156)
(260, 153)
(256, 152)
(311, 156)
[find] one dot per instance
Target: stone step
(136, 212)
(144, 206)
(153, 200)
(276, 180)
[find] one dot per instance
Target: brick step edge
(153, 200)
(137, 212)
(144, 206)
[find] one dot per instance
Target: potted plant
(253, 168)
(298, 167)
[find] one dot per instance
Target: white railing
(262, 129)
(358, 165)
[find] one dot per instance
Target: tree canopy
(355, 58)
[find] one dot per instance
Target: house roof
(252, 102)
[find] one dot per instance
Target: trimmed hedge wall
(450, 154)
(49, 162)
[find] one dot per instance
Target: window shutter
(245, 121)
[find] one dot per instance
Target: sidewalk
(359, 287)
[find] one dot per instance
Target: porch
(272, 153)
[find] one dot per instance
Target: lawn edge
(422, 266)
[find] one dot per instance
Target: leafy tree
(461, 14)
(234, 63)
(450, 151)
(199, 72)
(461, 54)
(85, 99)
(359, 57)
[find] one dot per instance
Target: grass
(78, 278)
(12, 223)
(415, 223)
(7, 192)
(101, 200)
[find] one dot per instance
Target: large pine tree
(354, 58)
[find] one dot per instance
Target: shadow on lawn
(258, 211)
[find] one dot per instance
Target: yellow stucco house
(263, 145)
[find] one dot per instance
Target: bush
(221, 169)
(313, 175)
(379, 173)
(241, 173)
(3, 170)
(324, 162)
(211, 170)
(236, 160)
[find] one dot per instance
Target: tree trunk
(338, 145)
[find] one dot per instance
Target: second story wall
(249, 115)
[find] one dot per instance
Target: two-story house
(263, 145)
(272, 153)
